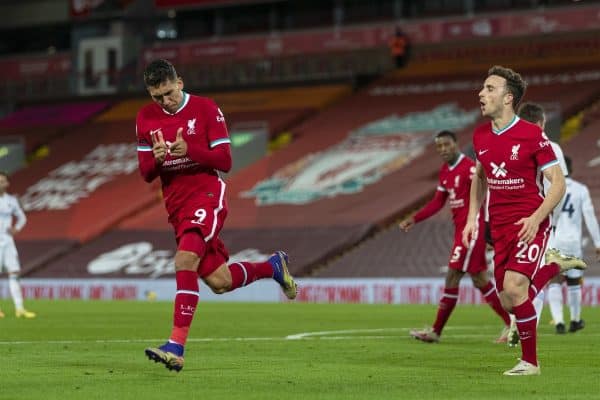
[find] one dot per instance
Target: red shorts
(471, 259)
(205, 215)
(215, 255)
(512, 254)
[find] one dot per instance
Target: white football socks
(15, 292)
(538, 304)
(555, 299)
(575, 302)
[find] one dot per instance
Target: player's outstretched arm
(476, 196)
(407, 223)
(431, 208)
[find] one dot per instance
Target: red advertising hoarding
(181, 3)
(367, 37)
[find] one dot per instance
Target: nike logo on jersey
(482, 152)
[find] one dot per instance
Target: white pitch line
(318, 335)
(305, 335)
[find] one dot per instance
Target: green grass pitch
(94, 350)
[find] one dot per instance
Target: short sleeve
(216, 125)
(542, 151)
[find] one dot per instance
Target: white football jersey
(563, 166)
(561, 157)
(575, 206)
(9, 209)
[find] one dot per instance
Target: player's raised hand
(159, 147)
(179, 146)
(406, 224)
(528, 229)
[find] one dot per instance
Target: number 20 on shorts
(527, 253)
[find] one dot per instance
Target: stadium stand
(393, 253)
(70, 196)
(312, 213)
(278, 108)
(39, 124)
(357, 162)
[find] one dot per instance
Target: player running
(183, 139)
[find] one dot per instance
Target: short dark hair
(446, 133)
(531, 112)
(569, 164)
(515, 84)
(159, 71)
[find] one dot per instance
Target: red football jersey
(455, 180)
(205, 133)
(454, 184)
(513, 159)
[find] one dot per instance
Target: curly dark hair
(515, 84)
(159, 71)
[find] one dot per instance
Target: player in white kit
(12, 220)
(575, 208)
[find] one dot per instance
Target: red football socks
(186, 300)
(527, 327)
(491, 297)
(244, 273)
(447, 304)
(542, 277)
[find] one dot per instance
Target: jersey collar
(458, 160)
(186, 98)
(507, 127)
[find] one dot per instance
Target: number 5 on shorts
(456, 254)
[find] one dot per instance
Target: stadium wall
(367, 291)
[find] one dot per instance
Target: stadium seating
(89, 182)
(38, 124)
(329, 223)
(317, 198)
(425, 250)
(321, 229)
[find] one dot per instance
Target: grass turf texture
(94, 350)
